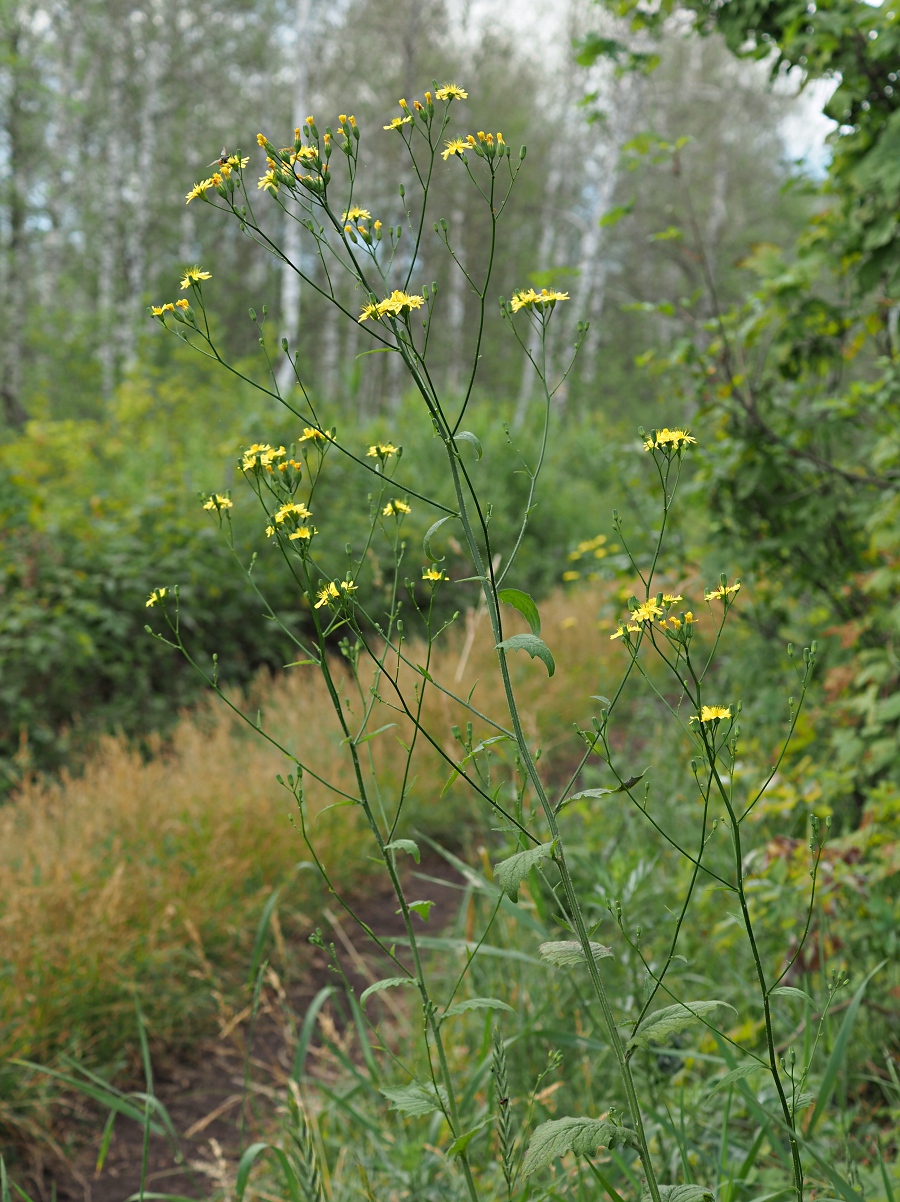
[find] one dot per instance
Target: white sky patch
(806, 128)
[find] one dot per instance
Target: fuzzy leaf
(583, 1136)
(681, 1193)
(406, 845)
(568, 952)
(415, 1099)
(803, 1100)
(533, 645)
(477, 1003)
(671, 1019)
(387, 983)
(510, 873)
(790, 991)
(524, 604)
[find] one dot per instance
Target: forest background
(728, 285)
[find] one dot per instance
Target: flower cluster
(218, 502)
(655, 610)
(394, 305)
(543, 301)
(220, 179)
(668, 441)
(486, 146)
(311, 434)
(261, 455)
(285, 166)
(425, 112)
(355, 227)
(381, 450)
(333, 592)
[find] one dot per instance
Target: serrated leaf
(582, 793)
(533, 645)
(476, 1003)
(566, 953)
(429, 535)
(459, 1145)
(583, 1136)
(681, 1193)
(469, 437)
(801, 1102)
(790, 991)
(510, 873)
(666, 1022)
(387, 983)
(416, 1099)
(407, 845)
(524, 604)
(736, 1074)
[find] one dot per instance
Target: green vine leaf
(387, 983)
(583, 1136)
(663, 1023)
(416, 1099)
(524, 604)
(568, 953)
(533, 645)
(510, 873)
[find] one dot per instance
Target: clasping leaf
(510, 873)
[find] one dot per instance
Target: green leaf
(790, 991)
(614, 216)
(624, 787)
(533, 645)
(567, 953)
(736, 1074)
(666, 1022)
(476, 1003)
(583, 1136)
(469, 437)
(459, 1145)
(407, 845)
(524, 604)
(246, 1164)
(429, 535)
(416, 1099)
(681, 1193)
(510, 873)
(801, 1102)
(387, 983)
(422, 908)
(671, 233)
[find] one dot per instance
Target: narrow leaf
(736, 1074)
(524, 604)
(790, 991)
(469, 437)
(567, 953)
(387, 983)
(623, 788)
(681, 1193)
(459, 1145)
(533, 645)
(510, 873)
(429, 535)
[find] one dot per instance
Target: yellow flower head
(624, 630)
(183, 303)
(292, 509)
(218, 502)
(668, 440)
(395, 508)
(723, 592)
(193, 275)
(158, 310)
(395, 304)
(646, 612)
(381, 450)
(303, 533)
(369, 310)
(432, 573)
(312, 435)
(670, 599)
(397, 122)
(453, 146)
(198, 190)
(261, 455)
(327, 593)
(451, 91)
(712, 713)
(156, 596)
(685, 620)
(357, 214)
(528, 298)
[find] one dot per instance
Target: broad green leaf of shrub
(477, 1003)
(416, 1099)
(567, 953)
(524, 604)
(583, 1136)
(533, 645)
(510, 873)
(668, 1021)
(387, 983)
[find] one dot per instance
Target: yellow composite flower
(395, 507)
(646, 612)
(304, 532)
(432, 574)
(396, 122)
(193, 275)
(217, 501)
(451, 91)
(268, 182)
(283, 467)
(528, 298)
(394, 304)
(631, 628)
(381, 450)
(199, 190)
(712, 713)
(357, 214)
(292, 509)
(156, 596)
(261, 455)
(183, 303)
(305, 154)
(369, 310)
(310, 434)
(671, 599)
(668, 440)
(685, 620)
(453, 146)
(326, 593)
(158, 310)
(722, 592)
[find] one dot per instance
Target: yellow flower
(453, 146)
(261, 455)
(218, 502)
(527, 298)
(631, 628)
(671, 599)
(677, 623)
(395, 507)
(381, 450)
(234, 161)
(568, 577)
(305, 154)
(198, 190)
(395, 304)
(397, 122)
(158, 310)
(722, 592)
(325, 594)
(451, 91)
(668, 440)
(357, 214)
(646, 612)
(311, 435)
(156, 596)
(432, 574)
(370, 310)
(304, 532)
(283, 467)
(291, 509)
(183, 303)
(268, 182)
(193, 275)
(712, 713)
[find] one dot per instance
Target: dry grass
(149, 876)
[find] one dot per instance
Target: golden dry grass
(149, 875)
